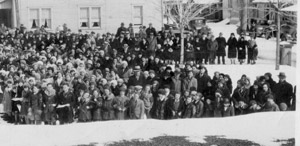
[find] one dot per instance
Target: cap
(161, 91)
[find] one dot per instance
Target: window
(95, 19)
(137, 15)
(230, 4)
(90, 17)
(34, 18)
(39, 17)
(46, 18)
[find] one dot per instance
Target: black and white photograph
(148, 72)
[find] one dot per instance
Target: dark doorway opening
(5, 17)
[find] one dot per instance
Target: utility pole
(278, 38)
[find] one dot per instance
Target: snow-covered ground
(262, 128)
(266, 48)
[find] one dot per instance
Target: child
(120, 105)
(85, 108)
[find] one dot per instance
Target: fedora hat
(137, 68)
(281, 74)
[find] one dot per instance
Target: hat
(138, 87)
(152, 71)
(177, 71)
(268, 74)
(53, 58)
(270, 96)
(253, 102)
(22, 61)
(120, 80)
(137, 68)
(43, 58)
(226, 101)
(282, 74)
(161, 91)
(90, 62)
(59, 61)
(219, 92)
(122, 89)
(166, 87)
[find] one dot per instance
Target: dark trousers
(223, 59)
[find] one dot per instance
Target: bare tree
(182, 12)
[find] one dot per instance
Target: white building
(87, 15)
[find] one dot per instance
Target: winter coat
(283, 93)
(65, 114)
(120, 105)
(50, 105)
(25, 102)
(228, 112)
(202, 82)
(189, 110)
(152, 46)
(221, 46)
(7, 96)
(189, 53)
(188, 83)
(199, 107)
(137, 109)
(176, 85)
(96, 111)
(133, 81)
(107, 107)
(232, 47)
(212, 47)
(160, 110)
(252, 46)
(177, 108)
(241, 46)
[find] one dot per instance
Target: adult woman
(232, 47)
(241, 45)
(263, 94)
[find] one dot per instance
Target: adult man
(203, 80)
(283, 90)
(137, 78)
(137, 107)
(150, 29)
(189, 81)
(221, 48)
(121, 29)
(152, 44)
(203, 49)
(65, 102)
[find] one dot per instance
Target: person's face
(255, 86)
(186, 93)
(122, 93)
(95, 93)
(106, 91)
(35, 89)
(49, 87)
(202, 70)
(137, 73)
(26, 88)
(177, 96)
(265, 88)
(188, 100)
(66, 88)
(221, 35)
(281, 79)
(190, 74)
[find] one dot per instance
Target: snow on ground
(266, 48)
(262, 128)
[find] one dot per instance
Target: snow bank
(262, 128)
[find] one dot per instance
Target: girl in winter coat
(26, 95)
(232, 48)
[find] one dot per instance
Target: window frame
(90, 19)
(141, 17)
(40, 17)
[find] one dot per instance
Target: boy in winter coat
(189, 108)
(227, 110)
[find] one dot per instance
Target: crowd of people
(65, 77)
